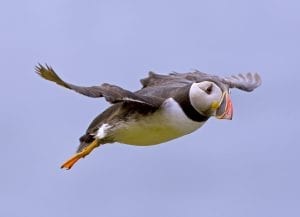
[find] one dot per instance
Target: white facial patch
(200, 99)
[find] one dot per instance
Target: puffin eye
(208, 90)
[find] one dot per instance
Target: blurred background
(245, 167)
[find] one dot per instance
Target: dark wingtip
(47, 72)
(257, 78)
(38, 68)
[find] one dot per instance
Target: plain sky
(241, 168)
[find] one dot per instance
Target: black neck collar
(183, 99)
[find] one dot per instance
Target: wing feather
(156, 87)
(247, 82)
(111, 93)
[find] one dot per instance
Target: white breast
(168, 123)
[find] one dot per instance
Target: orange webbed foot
(70, 162)
(86, 151)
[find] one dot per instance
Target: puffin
(165, 108)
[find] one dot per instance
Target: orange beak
(225, 111)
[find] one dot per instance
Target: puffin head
(209, 99)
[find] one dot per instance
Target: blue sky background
(241, 168)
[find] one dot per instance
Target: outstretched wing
(173, 79)
(246, 82)
(111, 93)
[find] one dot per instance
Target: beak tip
(228, 113)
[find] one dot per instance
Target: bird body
(166, 123)
(165, 108)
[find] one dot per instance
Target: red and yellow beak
(225, 110)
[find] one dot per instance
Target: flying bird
(165, 108)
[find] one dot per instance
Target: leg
(84, 152)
